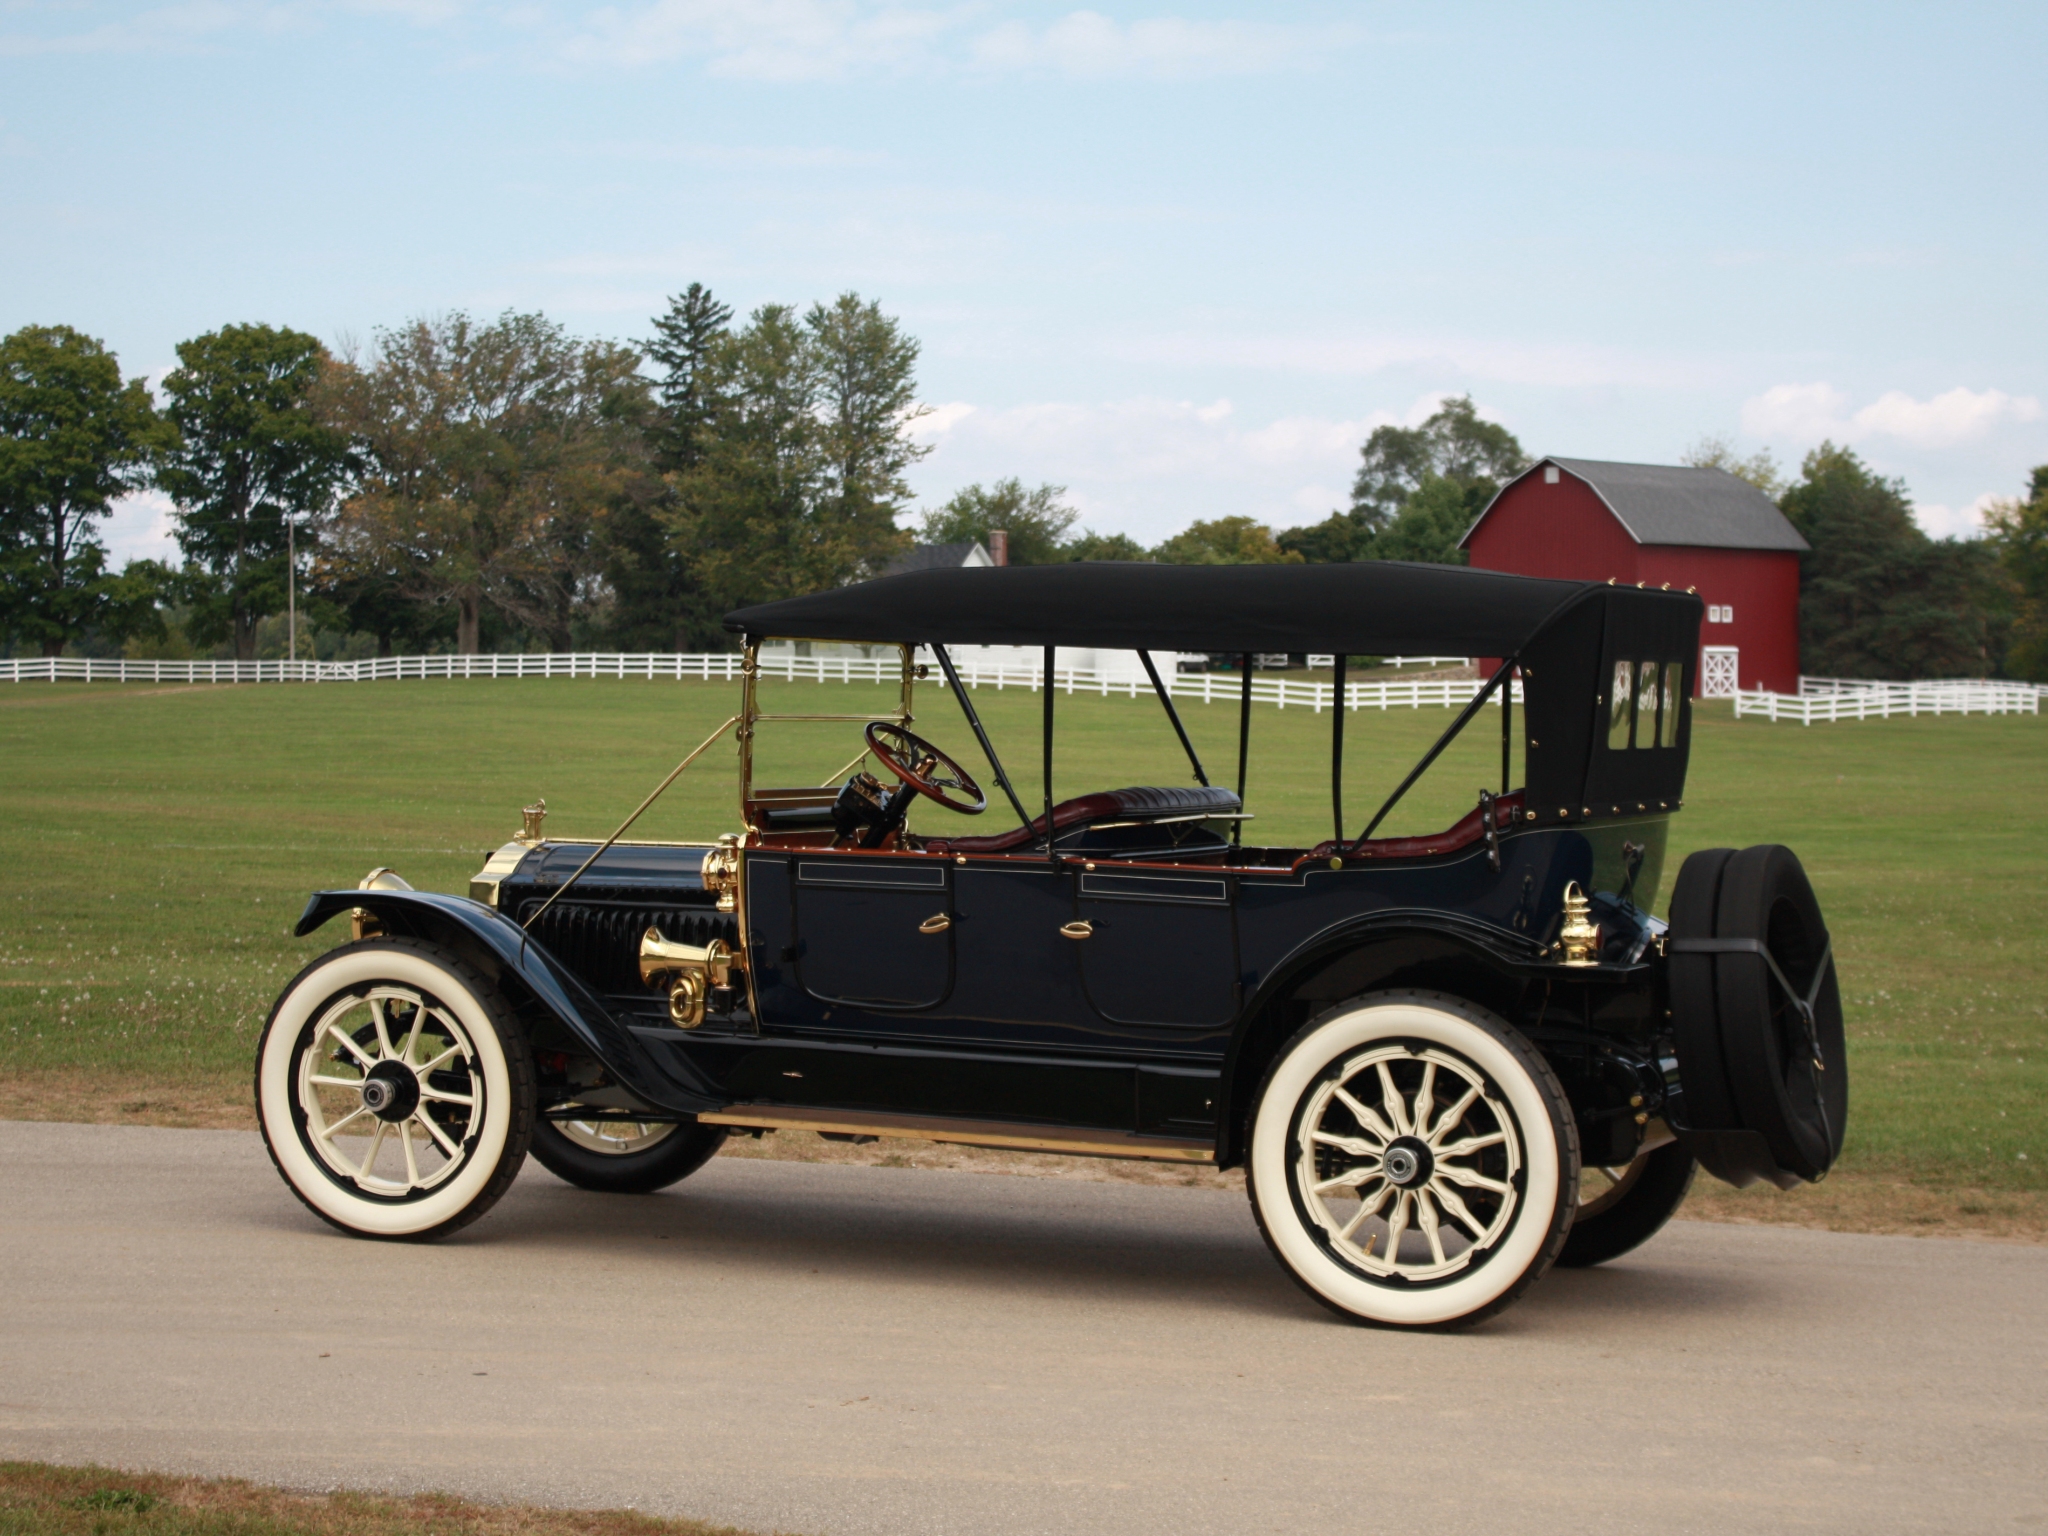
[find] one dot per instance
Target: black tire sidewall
(1638, 1215)
(669, 1160)
(1709, 1100)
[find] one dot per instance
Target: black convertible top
(1379, 607)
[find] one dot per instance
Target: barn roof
(1676, 504)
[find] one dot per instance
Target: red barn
(1662, 524)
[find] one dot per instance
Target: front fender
(508, 953)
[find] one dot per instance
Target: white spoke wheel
(394, 1089)
(1413, 1160)
(624, 1157)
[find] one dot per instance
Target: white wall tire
(394, 1090)
(1413, 1160)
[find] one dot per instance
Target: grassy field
(37, 1499)
(162, 839)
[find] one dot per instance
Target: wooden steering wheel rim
(890, 758)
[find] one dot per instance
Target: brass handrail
(561, 889)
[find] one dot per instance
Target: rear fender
(1357, 956)
(517, 962)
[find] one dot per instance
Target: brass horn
(690, 971)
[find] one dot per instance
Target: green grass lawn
(160, 841)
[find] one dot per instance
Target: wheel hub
(1408, 1162)
(391, 1091)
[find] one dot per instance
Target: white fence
(1838, 698)
(1210, 687)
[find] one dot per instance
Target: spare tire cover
(1800, 1108)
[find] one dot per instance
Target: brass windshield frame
(750, 714)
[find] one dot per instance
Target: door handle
(937, 923)
(1077, 930)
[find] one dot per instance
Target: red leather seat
(1142, 803)
(1507, 810)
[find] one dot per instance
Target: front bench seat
(1141, 803)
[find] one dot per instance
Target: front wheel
(1413, 1160)
(394, 1089)
(624, 1157)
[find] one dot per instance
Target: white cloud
(1808, 412)
(1085, 44)
(1943, 522)
(941, 419)
(1148, 466)
(139, 527)
(1336, 353)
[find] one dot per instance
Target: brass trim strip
(1007, 1135)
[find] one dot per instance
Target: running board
(1005, 1135)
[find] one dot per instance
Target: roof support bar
(1051, 653)
(1464, 718)
(1507, 733)
(1244, 742)
(1337, 749)
(980, 735)
(1173, 714)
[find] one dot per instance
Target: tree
(485, 453)
(1430, 523)
(1759, 469)
(1454, 445)
(2018, 533)
(251, 458)
(802, 474)
(1103, 546)
(1877, 597)
(1037, 520)
(1225, 541)
(656, 598)
(73, 437)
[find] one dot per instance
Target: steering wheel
(917, 763)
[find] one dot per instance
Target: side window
(1674, 701)
(1620, 708)
(1646, 706)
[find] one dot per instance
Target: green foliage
(1037, 520)
(1225, 541)
(1418, 490)
(1453, 444)
(1759, 469)
(1877, 597)
(250, 456)
(486, 453)
(1431, 522)
(1103, 546)
(684, 339)
(802, 474)
(73, 437)
(2019, 535)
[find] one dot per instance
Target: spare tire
(1781, 1028)
(1756, 1018)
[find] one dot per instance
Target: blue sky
(1180, 258)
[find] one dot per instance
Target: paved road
(851, 1350)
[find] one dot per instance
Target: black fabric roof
(1678, 504)
(1376, 607)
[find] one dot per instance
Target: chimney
(999, 545)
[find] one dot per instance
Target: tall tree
(802, 474)
(1431, 522)
(251, 459)
(681, 348)
(2019, 534)
(1225, 541)
(1759, 469)
(73, 437)
(486, 451)
(1455, 445)
(1877, 597)
(867, 395)
(1036, 520)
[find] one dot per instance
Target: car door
(873, 929)
(1157, 947)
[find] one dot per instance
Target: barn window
(1720, 613)
(1550, 474)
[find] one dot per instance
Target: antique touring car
(1444, 1062)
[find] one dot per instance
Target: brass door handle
(938, 923)
(1077, 930)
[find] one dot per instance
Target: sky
(1178, 258)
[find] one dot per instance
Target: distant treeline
(506, 486)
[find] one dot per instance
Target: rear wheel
(1413, 1160)
(1623, 1208)
(394, 1090)
(626, 1157)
